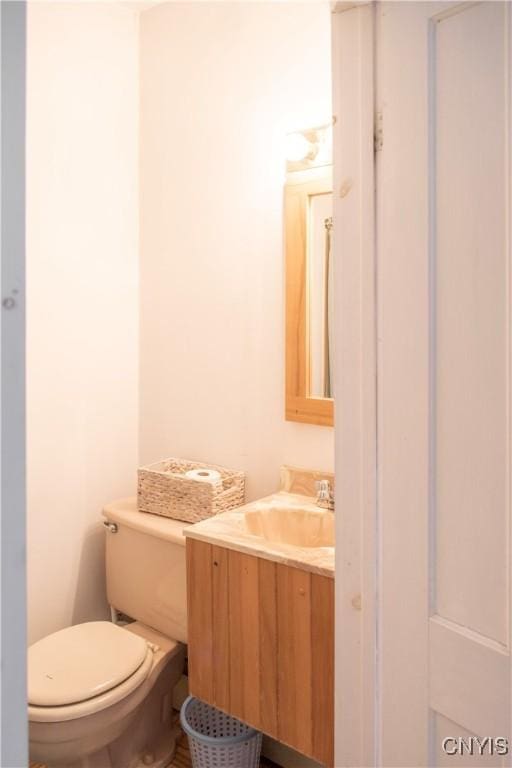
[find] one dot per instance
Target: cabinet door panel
(220, 638)
(200, 622)
(268, 647)
(244, 637)
(294, 657)
(322, 651)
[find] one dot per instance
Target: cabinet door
(261, 645)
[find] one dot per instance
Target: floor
(181, 758)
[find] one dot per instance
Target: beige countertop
(229, 530)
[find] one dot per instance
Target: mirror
(309, 266)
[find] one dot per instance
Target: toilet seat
(84, 669)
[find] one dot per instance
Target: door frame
(13, 693)
(356, 670)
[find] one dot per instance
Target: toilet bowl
(100, 694)
(81, 716)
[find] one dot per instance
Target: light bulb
(297, 147)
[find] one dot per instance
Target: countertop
(229, 530)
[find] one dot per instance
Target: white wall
(82, 282)
(221, 84)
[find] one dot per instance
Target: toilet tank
(146, 567)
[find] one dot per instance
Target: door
(444, 306)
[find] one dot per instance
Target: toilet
(100, 693)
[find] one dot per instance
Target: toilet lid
(80, 662)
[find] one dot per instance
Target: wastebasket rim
(214, 740)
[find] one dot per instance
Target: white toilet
(100, 694)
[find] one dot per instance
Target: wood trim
(310, 410)
(262, 648)
(300, 405)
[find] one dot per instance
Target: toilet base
(138, 732)
(161, 756)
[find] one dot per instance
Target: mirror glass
(319, 285)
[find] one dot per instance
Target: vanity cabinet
(261, 645)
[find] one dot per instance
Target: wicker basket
(164, 490)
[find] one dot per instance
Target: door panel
(469, 678)
(444, 729)
(471, 339)
(443, 393)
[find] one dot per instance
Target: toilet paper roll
(206, 475)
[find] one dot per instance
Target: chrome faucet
(325, 495)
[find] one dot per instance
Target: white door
(444, 398)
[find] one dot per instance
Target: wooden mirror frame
(300, 404)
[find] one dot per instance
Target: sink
(292, 525)
(286, 527)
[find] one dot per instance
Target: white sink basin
(292, 525)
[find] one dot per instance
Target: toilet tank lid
(82, 661)
(125, 512)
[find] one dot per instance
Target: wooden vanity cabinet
(261, 645)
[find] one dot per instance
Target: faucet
(325, 495)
